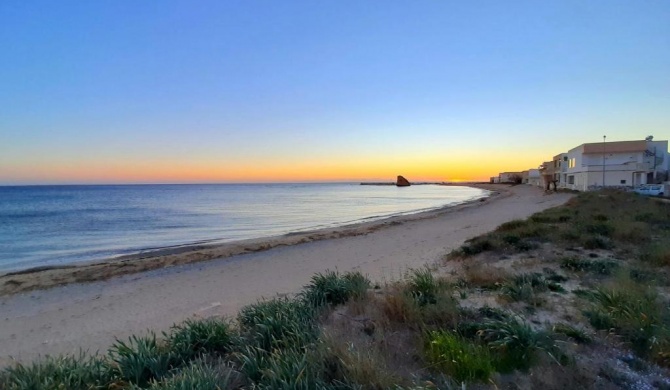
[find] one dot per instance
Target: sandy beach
(51, 312)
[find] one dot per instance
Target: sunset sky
(245, 91)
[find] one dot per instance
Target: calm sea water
(54, 225)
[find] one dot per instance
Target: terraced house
(591, 166)
(613, 164)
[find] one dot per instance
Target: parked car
(650, 189)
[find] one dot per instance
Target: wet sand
(50, 312)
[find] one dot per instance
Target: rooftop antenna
(649, 138)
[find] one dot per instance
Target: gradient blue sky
(200, 91)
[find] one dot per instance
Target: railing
(633, 167)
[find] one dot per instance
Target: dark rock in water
(402, 182)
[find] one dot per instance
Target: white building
(614, 164)
(534, 178)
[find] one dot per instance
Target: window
(623, 182)
(571, 179)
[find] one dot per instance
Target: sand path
(89, 316)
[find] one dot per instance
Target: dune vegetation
(573, 297)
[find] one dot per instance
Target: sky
(298, 91)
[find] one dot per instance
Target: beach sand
(48, 312)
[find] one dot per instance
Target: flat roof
(615, 147)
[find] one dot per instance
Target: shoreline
(91, 316)
(47, 276)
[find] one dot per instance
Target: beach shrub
(526, 286)
(601, 229)
(278, 323)
(62, 372)
(199, 375)
(596, 242)
(516, 343)
(511, 225)
(400, 307)
(142, 359)
(331, 288)
(553, 276)
(285, 368)
(633, 313)
(348, 366)
(477, 246)
(632, 232)
(657, 254)
(575, 333)
(601, 267)
(484, 276)
(423, 286)
(196, 337)
(459, 358)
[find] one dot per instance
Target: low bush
(525, 287)
(601, 267)
(198, 375)
(511, 225)
(657, 254)
(350, 366)
(423, 286)
(331, 288)
(63, 372)
(601, 229)
(516, 343)
(195, 337)
(596, 242)
(577, 334)
(278, 323)
(400, 307)
(459, 358)
(634, 314)
(142, 359)
(477, 246)
(631, 232)
(483, 276)
(286, 368)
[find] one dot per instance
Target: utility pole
(604, 138)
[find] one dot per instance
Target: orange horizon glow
(417, 170)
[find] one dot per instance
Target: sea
(62, 225)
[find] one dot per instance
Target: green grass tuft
(63, 372)
(142, 359)
(331, 288)
(516, 343)
(637, 315)
(601, 267)
(423, 286)
(577, 334)
(198, 375)
(196, 337)
(278, 323)
(459, 358)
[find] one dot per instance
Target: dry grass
(484, 276)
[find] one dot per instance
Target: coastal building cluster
(590, 166)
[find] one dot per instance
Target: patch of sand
(119, 299)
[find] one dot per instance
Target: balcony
(632, 167)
